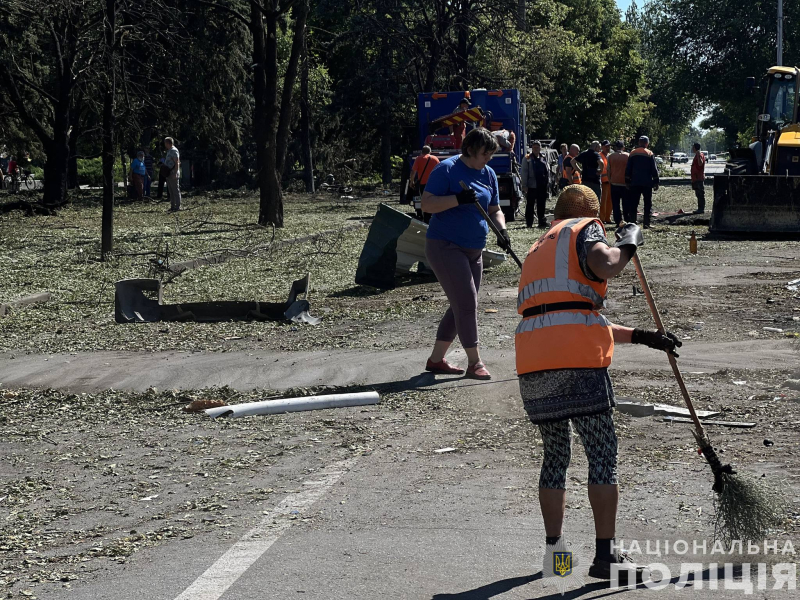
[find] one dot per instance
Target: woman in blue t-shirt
(455, 241)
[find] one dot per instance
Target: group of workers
(619, 178)
(564, 345)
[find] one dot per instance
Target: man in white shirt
(173, 163)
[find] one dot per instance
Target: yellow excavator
(759, 192)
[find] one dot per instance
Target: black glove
(466, 196)
(659, 341)
(629, 234)
(503, 240)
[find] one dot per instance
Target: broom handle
(660, 326)
(493, 227)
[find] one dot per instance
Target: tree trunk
(55, 171)
(271, 198)
(107, 226)
(386, 154)
(107, 243)
(55, 168)
(289, 78)
(305, 123)
(72, 164)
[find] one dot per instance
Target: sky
(624, 4)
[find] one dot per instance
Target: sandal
(443, 367)
(478, 371)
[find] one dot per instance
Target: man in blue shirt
(455, 241)
(138, 173)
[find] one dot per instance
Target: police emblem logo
(563, 567)
(562, 564)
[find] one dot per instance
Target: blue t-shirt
(462, 225)
(137, 167)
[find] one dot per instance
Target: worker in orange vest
(605, 198)
(564, 346)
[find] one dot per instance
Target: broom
(745, 508)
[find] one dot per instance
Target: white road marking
(220, 576)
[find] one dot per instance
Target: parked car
(659, 160)
(680, 157)
(712, 157)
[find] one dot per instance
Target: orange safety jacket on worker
(572, 175)
(561, 337)
(604, 174)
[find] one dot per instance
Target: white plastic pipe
(272, 407)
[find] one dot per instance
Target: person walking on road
(173, 162)
(455, 241)
(564, 346)
(423, 165)
(591, 167)
(617, 162)
(605, 198)
(641, 176)
(535, 181)
(699, 178)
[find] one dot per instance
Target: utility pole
(780, 33)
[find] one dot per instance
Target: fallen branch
(29, 208)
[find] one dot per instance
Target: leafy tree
(42, 84)
(715, 46)
(271, 112)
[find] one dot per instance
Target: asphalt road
(250, 370)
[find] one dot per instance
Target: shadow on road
(420, 382)
(491, 589)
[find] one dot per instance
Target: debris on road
(196, 406)
(792, 384)
(140, 301)
(6, 308)
(638, 409)
(793, 285)
(284, 405)
(445, 450)
(395, 243)
(740, 424)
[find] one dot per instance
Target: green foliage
(712, 47)
(582, 72)
(90, 171)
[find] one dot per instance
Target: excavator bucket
(756, 204)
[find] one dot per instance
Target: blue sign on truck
(499, 111)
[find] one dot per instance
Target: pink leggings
(459, 272)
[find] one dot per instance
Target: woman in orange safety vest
(564, 346)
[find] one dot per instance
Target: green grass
(60, 254)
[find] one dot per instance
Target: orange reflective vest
(573, 176)
(562, 339)
(604, 174)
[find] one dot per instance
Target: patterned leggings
(599, 441)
